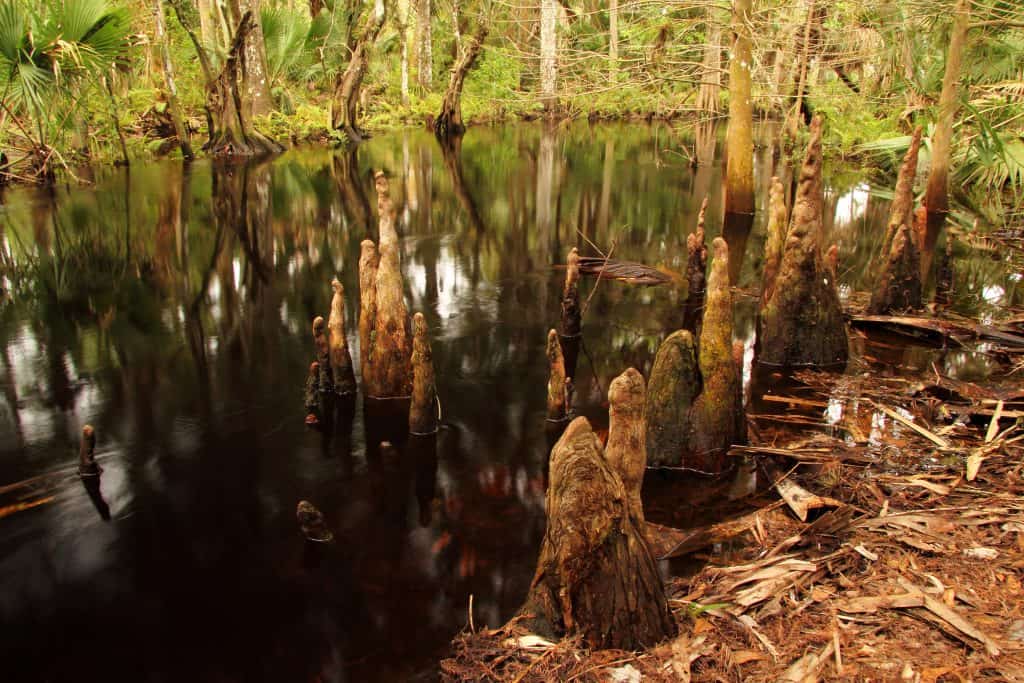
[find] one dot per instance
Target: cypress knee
(595, 575)
(341, 360)
(558, 391)
(802, 321)
(311, 522)
(696, 266)
(572, 323)
(776, 238)
(714, 416)
(87, 465)
(311, 398)
(901, 212)
(671, 391)
(899, 286)
(423, 410)
(368, 262)
(626, 451)
(323, 354)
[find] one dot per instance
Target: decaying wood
(389, 373)
(341, 360)
(696, 269)
(626, 450)
(595, 575)
(572, 323)
(802, 322)
(423, 410)
(87, 465)
(558, 390)
(323, 354)
(800, 500)
(622, 271)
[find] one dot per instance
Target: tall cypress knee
(626, 450)
(423, 410)
(341, 360)
(572, 322)
(558, 390)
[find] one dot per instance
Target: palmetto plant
(52, 53)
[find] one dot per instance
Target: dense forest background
(86, 80)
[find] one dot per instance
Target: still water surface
(170, 308)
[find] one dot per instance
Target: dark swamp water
(170, 308)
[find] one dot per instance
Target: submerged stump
(802, 321)
(87, 465)
(899, 285)
(341, 360)
(595, 575)
(423, 409)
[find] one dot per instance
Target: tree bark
(256, 87)
(167, 69)
(739, 138)
(711, 79)
(423, 409)
(626, 451)
(548, 55)
(341, 360)
(613, 39)
(449, 122)
(345, 104)
(595, 575)
(424, 45)
(936, 196)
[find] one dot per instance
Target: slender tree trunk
(403, 37)
(344, 115)
(167, 69)
(793, 120)
(424, 40)
(456, 29)
(548, 54)
(449, 121)
(613, 39)
(936, 196)
(711, 79)
(256, 88)
(739, 138)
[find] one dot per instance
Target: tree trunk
(936, 196)
(595, 575)
(711, 79)
(167, 69)
(424, 41)
(449, 122)
(344, 114)
(548, 54)
(403, 38)
(613, 39)
(256, 87)
(739, 138)
(795, 114)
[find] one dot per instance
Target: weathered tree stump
(87, 465)
(626, 450)
(423, 410)
(323, 354)
(776, 242)
(341, 360)
(388, 373)
(899, 285)
(558, 387)
(311, 397)
(572, 323)
(802, 322)
(696, 267)
(595, 575)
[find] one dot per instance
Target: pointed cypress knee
(87, 465)
(369, 259)
(776, 241)
(696, 267)
(802, 322)
(714, 417)
(595, 575)
(626, 450)
(323, 353)
(423, 410)
(899, 285)
(572, 323)
(558, 391)
(341, 360)
(671, 391)
(390, 372)
(901, 212)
